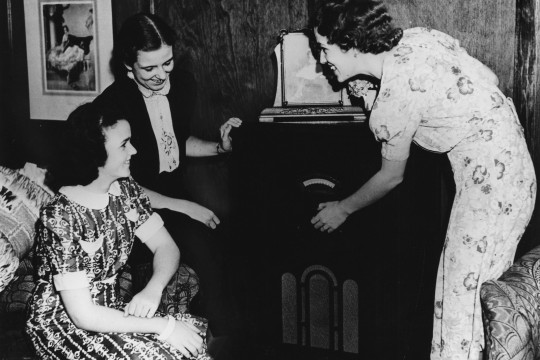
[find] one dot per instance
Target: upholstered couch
(511, 309)
(22, 192)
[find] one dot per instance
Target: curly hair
(140, 32)
(82, 149)
(361, 24)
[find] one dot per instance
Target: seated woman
(84, 237)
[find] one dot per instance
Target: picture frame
(302, 78)
(69, 45)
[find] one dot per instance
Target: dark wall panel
(228, 46)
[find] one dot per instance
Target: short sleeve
(147, 222)
(55, 234)
(403, 96)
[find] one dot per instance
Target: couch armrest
(510, 307)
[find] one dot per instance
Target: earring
(130, 75)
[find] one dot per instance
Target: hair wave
(362, 24)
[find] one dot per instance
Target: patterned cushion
(180, 291)
(9, 262)
(20, 201)
(178, 294)
(17, 294)
(511, 310)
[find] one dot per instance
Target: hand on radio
(330, 216)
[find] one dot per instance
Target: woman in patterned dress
(84, 237)
(434, 94)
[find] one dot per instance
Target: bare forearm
(189, 208)
(103, 319)
(159, 201)
(165, 264)
(196, 147)
(374, 189)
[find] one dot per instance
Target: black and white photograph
(69, 42)
(68, 48)
(269, 180)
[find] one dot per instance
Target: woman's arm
(332, 214)
(196, 147)
(191, 209)
(165, 263)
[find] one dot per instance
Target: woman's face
(119, 151)
(152, 68)
(343, 63)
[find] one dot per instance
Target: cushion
(20, 200)
(510, 307)
(18, 292)
(182, 287)
(9, 262)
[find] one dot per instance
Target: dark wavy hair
(82, 149)
(361, 24)
(140, 32)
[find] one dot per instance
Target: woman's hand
(145, 303)
(331, 215)
(224, 131)
(186, 339)
(202, 214)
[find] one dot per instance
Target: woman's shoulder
(119, 90)
(55, 207)
(128, 187)
(429, 38)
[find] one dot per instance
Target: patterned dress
(434, 94)
(84, 241)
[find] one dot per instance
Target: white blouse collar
(91, 200)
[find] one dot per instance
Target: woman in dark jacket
(158, 103)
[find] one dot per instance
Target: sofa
(511, 311)
(22, 193)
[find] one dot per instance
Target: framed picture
(69, 45)
(302, 78)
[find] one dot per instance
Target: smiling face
(119, 151)
(152, 68)
(343, 63)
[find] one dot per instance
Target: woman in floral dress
(85, 235)
(434, 94)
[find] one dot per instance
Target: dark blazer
(124, 96)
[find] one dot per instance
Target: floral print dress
(434, 94)
(84, 240)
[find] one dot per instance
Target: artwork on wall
(69, 45)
